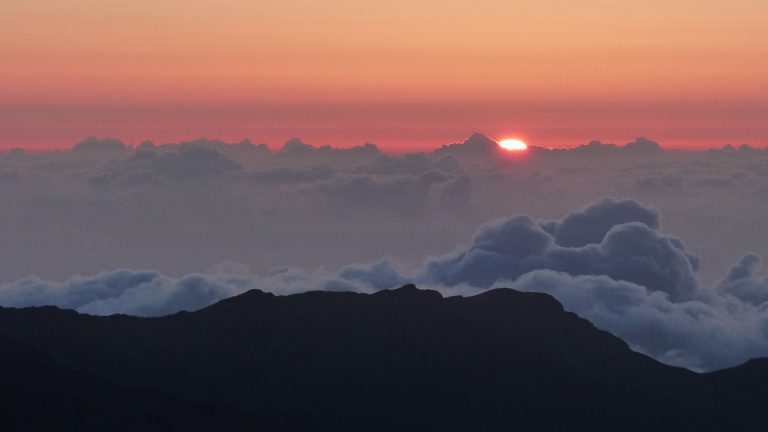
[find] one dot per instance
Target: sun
(513, 144)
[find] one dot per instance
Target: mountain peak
(480, 141)
(476, 145)
(409, 292)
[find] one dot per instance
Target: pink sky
(403, 75)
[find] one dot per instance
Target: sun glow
(513, 144)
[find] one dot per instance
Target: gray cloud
(143, 293)
(743, 283)
(609, 263)
(191, 162)
(149, 293)
(589, 226)
(180, 208)
(701, 334)
(609, 237)
(94, 145)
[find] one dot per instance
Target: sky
(404, 75)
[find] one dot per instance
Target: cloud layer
(607, 262)
(182, 208)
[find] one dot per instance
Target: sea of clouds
(213, 219)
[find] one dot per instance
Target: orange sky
(402, 75)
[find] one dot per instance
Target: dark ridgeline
(404, 359)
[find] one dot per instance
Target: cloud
(190, 162)
(590, 225)
(94, 145)
(609, 237)
(411, 163)
(643, 146)
(288, 176)
(295, 150)
(698, 334)
(742, 282)
(149, 293)
(607, 262)
(142, 293)
(379, 275)
(393, 193)
(596, 148)
(477, 145)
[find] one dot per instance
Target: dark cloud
(590, 225)
(477, 145)
(297, 150)
(613, 238)
(643, 146)
(16, 153)
(96, 145)
(189, 163)
(640, 147)
(596, 148)
(743, 282)
(244, 152)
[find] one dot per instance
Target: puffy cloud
(596, 148)
(296, 150)
(589, 226)
(244, 152)
(94, 145)
(697, 334)
(189, 163)
(743, 283)
(643, 146)
(477, 145)
(150, 293)
(613, 238)
(142, 293)
(379, 275)
(609, 264)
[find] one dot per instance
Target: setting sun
(513, 144)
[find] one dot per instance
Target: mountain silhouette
(477, 145)
(404, 359)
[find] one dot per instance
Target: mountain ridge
(397, 359)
